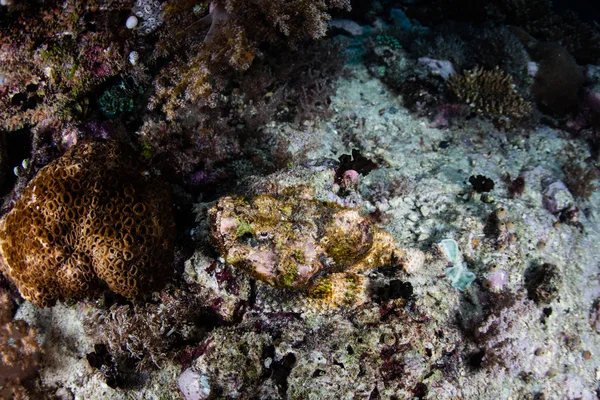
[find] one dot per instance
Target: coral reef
(19, 353)
(237, 28)
(392, 64)
(582, 40)
(490, 92)
(497, 333)
(191, 146)
(580, 179)
(538, 17)
(292, 86)
(120, 98)
(491, 84)
(90, 219)
(221, 288)
(309, 190)
(387, 40)
(3, 159)
(54, 54)
(151, 14)
(147, 333)
(472, 45)
(500, 47)
(284, 358)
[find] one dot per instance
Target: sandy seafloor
(396, 347)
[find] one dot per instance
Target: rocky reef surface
(316, 199)
(526, 327)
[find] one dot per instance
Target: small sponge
(89, 220)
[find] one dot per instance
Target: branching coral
(489, 92)
(88, 220)
(289, 85)
(146, 333)
(295, 20)
(237, 28)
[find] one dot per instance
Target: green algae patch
(243, 228)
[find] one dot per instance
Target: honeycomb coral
(89, 220)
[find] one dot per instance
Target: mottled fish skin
(293, 241)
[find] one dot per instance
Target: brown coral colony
(489, 92)
(87, 221)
